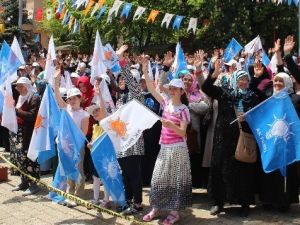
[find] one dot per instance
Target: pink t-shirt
(176, 114)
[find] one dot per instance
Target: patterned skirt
(18, 155)
(171, 185)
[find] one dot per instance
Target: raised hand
(277, 46)
(168, 59)
(289, 44)
(199, 58)
(121, 50)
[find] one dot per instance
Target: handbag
(246, 149)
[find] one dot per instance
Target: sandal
(151, 216)
(171, 219)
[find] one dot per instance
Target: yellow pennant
(2, 28)
(101, 3)
(71, 22)
(88, 7)
(152, 16)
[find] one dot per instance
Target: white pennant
(167, 19)
(193, 25)
(96, 7)
(138, 13)
(80, 3)
(114, 9)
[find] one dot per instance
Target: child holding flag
(98, 112)
(171, 187)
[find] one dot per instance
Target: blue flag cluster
(107, 166)
(70, 143)
(232, 50)
(277, 132)
(9, 62)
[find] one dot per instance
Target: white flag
(273, 64)
(9, 117)
(30, 14)
(109, 104)
(114, 9)
(167, 19)
(138, 13)
(15, 47)
(80, 3)
(124, 127)
(96, 7)
(253, 46)
(193, 25)
(97, 63)
(50, 67)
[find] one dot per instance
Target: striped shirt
(176, 114)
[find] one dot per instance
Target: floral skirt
(18, 156)
(171, 184)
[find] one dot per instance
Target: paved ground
(37, 210)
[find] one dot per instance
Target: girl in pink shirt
(171, 186)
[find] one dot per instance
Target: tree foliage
(218, 22)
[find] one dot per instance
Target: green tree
(218, 22)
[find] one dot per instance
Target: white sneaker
(70, 203)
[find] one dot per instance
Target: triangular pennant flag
(138, 13)
(66, 18)
(114, 9)
(167, 19)
(76, 26)
(193, 25)
(71, 22)
(152, 16)
(101, 12)
(126, 9)
(30, 14)
(177, 22)
(88, 8)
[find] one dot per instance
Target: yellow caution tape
(73, 198)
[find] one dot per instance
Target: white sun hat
(73, 92)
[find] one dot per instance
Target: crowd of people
(193, 145)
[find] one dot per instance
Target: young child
(171, 186)
(81, 119)
(98, 111)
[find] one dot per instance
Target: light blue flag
(290, 2)
(76, 26)
(9, 62)
(101, 12)
(276, 127)
(126, 10)
(265, 59)
(42, 144)
(296, 2)
(180, 64)
(107, 166)
(66, 18)
(232, 49)
(60, 6)
(70, 142)
(177, 22)
(37, 38)
(59, 182)
(112, 63)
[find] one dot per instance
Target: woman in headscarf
(87, 95)
(272, 192)
(230, 180)
(26, 110)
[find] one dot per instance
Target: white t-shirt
(77, 115)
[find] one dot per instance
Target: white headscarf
(30, 91)
(287, 82)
